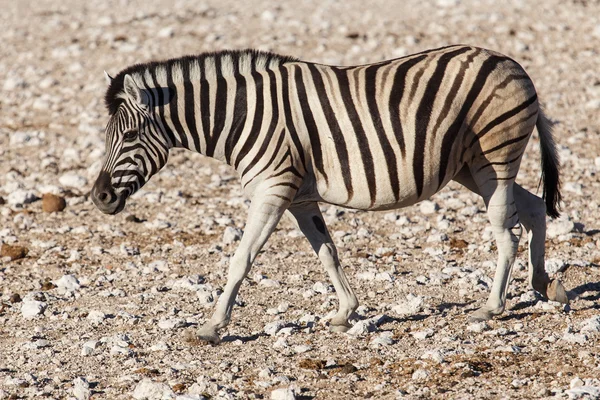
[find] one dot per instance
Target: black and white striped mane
(113, 99)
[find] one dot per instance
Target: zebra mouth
(112, 207)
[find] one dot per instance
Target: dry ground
(146, 276)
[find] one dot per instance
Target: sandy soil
(99, 305)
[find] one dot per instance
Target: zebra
(371, 137)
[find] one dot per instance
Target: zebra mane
(260, 59)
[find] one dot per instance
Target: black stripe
(272, 125)
(332, 123)
(498, 163)
(500, 119)
(503, 179)
(257, 120)
(173, 109)
(311, 126)
(190, 108)
(397, 92)
(388, 151)
(220, 106)
(361, 137)
(269, 163)
(487, 67)
(161, 107)
(507, 143)
(288, 184)
(451, 97)
(285, 171)
(424, 112)
(205, 107)
(285, 94)
(240, 112)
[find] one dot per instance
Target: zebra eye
(129, 135)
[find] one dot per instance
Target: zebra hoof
(484, 314)
(339, 328)
(206, 334)
(556, 292)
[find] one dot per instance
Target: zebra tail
(550, 165)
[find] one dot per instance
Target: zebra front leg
(310, 221)
(263, 216)
(502, 213)
(532, 214)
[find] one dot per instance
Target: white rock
(21, 197)
(478, 327)
(96, 317)
(171, 323)
(575, 338)
(428, 207)
(362, 328)
(435, 355)
(322, 288)
(205, 296)
(283, 394)
(272, 328)
(576, 382)
(412, 305)
(160, 346)
(383, 339)
(14, 82)
(147, 389)
(420, 375)
(67, 284)
(71, 179)
(554, 265)
(81, 389)
(299, 349)
(159, 265)
(280, 343)
(584, 392)
(559, 227)
(366, 276)
(269, 283)
(424, 334)
(166, 32)
(89, 347)
(31, 308)
(590, 325)
(231, 235)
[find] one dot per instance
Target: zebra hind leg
(532, 214)
(504, 218)
(310, 221)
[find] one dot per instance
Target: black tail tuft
(550, 166)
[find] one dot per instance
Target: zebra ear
(108, 78)
(133, 91)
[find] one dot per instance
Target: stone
(73, 180)
(322, 288)
(21, 197)
(590, 325)
(81, 389)
(383, 339)
(13, 252)
(96, 317)
(272, 328)
(231, 235)
(411, 306)
(420, 375)
(555, 265)
(171, 323)
(53, 203)
(147, 389)
(67, 284)
(428, 207)
(89, 347)
(283, 394)
(424, 334)
(559, 227)
(32, 308)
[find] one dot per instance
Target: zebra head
(136, 147)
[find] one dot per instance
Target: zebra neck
(219, 106)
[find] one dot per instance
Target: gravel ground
(98, 306)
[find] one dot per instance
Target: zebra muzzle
(105, 197)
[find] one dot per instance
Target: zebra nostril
(103, 197)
